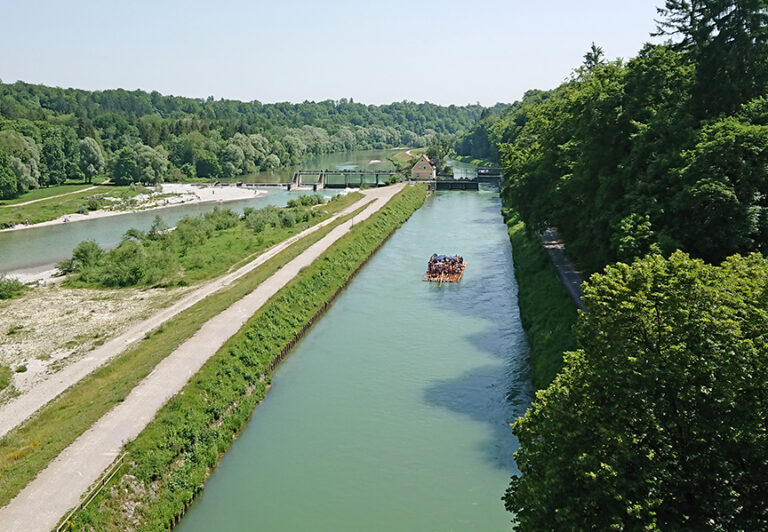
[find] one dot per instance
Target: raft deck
(446, 277)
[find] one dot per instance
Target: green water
(392, 414)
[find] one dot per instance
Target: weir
(344, 178)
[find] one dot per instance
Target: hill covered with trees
(48, 135)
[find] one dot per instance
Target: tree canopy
(658, 420)
(200, 138)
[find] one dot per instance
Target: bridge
(340, 178)
(322, 179)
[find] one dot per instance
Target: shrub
(93, 204)
(10, 288)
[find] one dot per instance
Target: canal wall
(547, 311)
(166, 466)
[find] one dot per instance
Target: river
(38, 249)
(393, 413)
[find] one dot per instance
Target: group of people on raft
(443, 264)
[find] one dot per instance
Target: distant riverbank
(170, 195)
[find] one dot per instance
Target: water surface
(393, 413)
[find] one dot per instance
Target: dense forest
(49, 135)
(655, 172)
(664, 151)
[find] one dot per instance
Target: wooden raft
(446, 277)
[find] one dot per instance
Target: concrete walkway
(20, 408)
(566, 271)
(60, 486)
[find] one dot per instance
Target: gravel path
(566, 271)
(60, 486)
(20, 408)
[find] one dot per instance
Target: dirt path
(48, 198)
(20, 408)
(566, 271)
(68, 477)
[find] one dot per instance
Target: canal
(393, 413)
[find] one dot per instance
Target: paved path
(566, 271)
(61, 485)
(20, 408)
(48, 198)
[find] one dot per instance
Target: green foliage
(175, 452)
(10, 288)
(8, 182)
(199, 247)
(91, 158)
(662, 406)
(6, 375)
(623, 163)
(173, 137)
(547, 311)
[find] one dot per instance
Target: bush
(85, 255)
(10, 288)
(93, 204)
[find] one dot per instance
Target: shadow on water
(484, 394)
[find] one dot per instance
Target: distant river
(393, 413)
(38, 249)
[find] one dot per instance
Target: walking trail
(566, 271)
(61, 485)
(30, 202)
(20, 408)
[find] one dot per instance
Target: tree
(91, 158)
(728, 42)
(658, 420)
(124, 168)
(594, 57)
(207, 165)
(151, 164)
(53, 158)
(8, 181)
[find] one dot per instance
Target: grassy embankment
(50, 209)
(168, 463)
(28, 448)
(404, 161)
(475, 162)
(546, 310)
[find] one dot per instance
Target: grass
(60, 422)
(169, 461)
(546, 310)
(52, 208)
(6, 374)
(476, 162)
(42, 193)
(403, 161)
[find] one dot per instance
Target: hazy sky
(443, 51)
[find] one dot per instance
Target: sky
(442, 51)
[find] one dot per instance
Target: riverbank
(546, 309)
(164, 470)
(169, 195)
